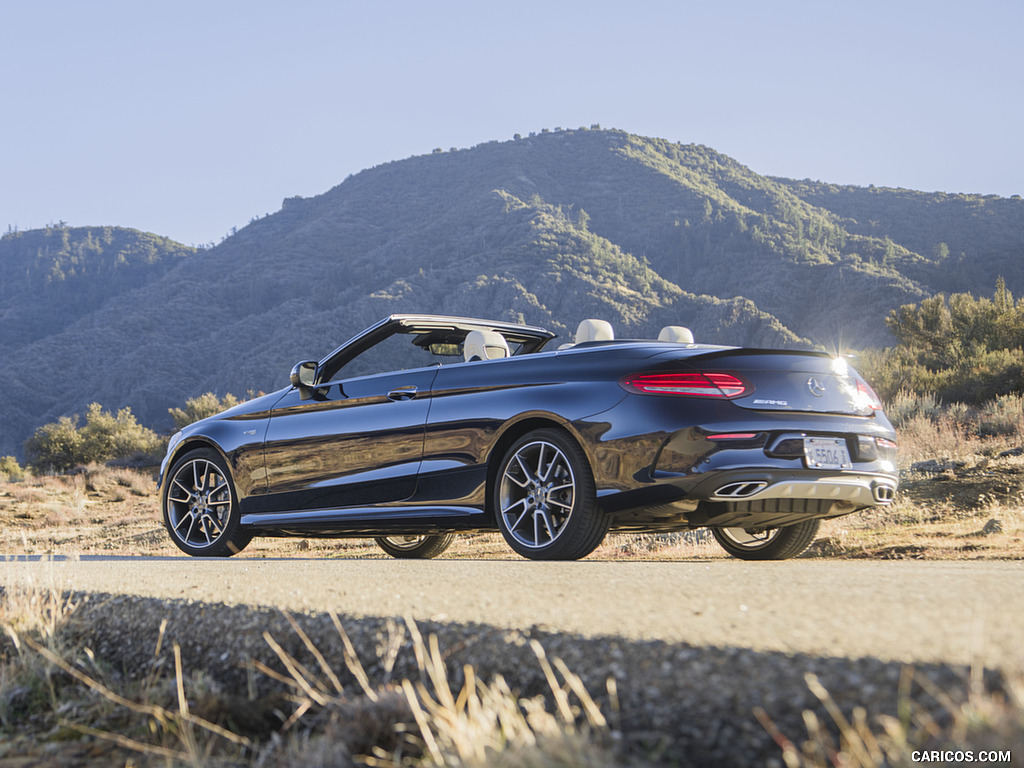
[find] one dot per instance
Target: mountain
(547, 229)
(966, 240)
(51, 277)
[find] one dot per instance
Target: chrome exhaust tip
(883, 493)
(740, 490)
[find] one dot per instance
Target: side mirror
(304, 374)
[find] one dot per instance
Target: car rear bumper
(749, 498)
(858, 489)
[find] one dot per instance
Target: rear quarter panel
(473, 403)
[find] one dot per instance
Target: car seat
(594, 330)
(676, 333)
(484, 345)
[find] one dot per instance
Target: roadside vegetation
(62, 703)
(956, 349)
(59, 701)
(200, 407)
(968, 722)
(105, 437)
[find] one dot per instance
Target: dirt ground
(963, 508)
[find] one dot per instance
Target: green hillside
(547, 229)
(966, 242)
(51, 277)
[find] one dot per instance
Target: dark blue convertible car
(423, 426)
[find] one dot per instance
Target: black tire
(200, 507)
(770, 543)
(415, 547)
(544, 500)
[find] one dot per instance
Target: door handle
(403, 393)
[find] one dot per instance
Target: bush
(56, 446)
(200, 407)
(10, 470)
(957, 348)
(62, 445)
(905, 406)
(1002, 416)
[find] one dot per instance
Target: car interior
(677, 333)
(484, 345)
(592, 330)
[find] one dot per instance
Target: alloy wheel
(537, 493)
(198, 503)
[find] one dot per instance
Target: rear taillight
(866, 397)
(716, 385)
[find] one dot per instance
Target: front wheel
(767, 543)
(544, 500)
(415, 547)
(200, 507)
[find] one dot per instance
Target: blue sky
(189, 118)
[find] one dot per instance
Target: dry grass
(59, 704)
(52, 691)
(979, 722)
(961, 492)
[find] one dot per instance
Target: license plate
(826, 453)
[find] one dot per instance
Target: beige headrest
(594, 330)
(484, 345)
(676, 333)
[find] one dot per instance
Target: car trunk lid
(786, 380)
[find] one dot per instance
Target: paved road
(904, 611)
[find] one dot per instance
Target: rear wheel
(767, 543)
(415, 547)
(544, 500)
(200, 507)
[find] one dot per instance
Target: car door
(355, 442)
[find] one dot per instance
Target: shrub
(1002, 416)
(10, 470)
(57, 445)
(905, 406)
(958, 347)
(62, 445)
(200, 407)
